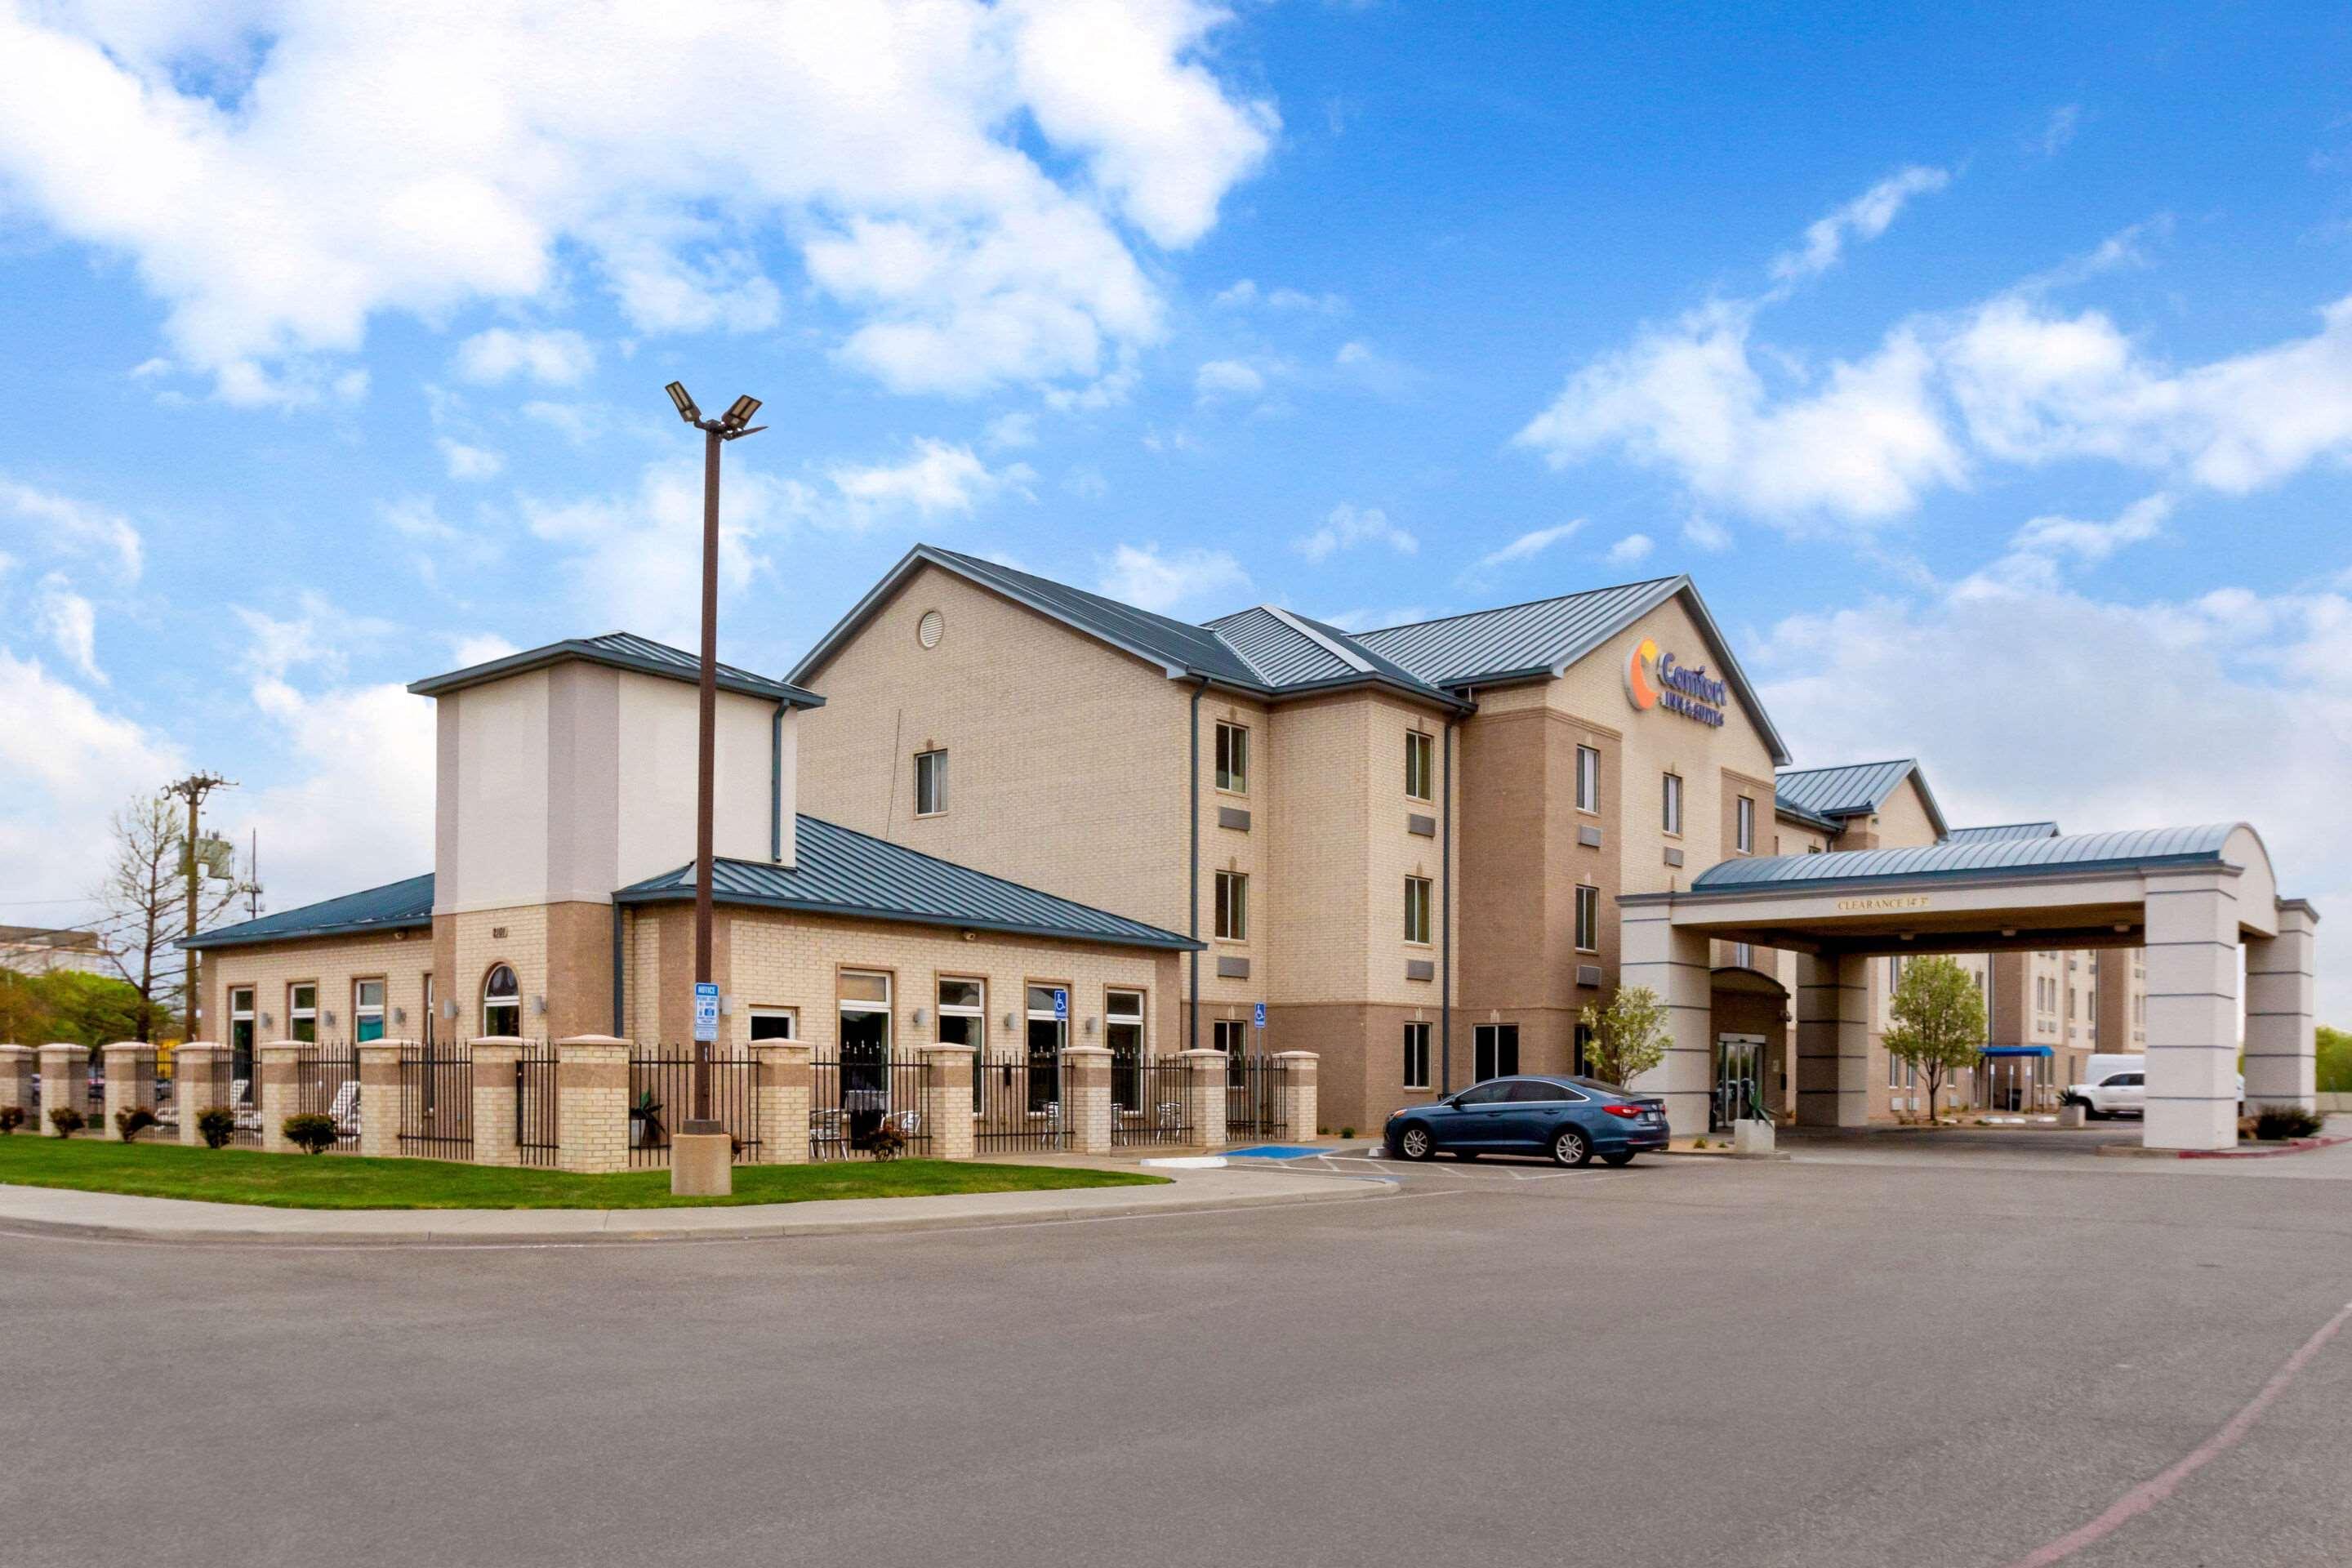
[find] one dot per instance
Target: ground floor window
(1495, 1051)
(774, 1024)
(1123, 1033)
(501, 1002)
(964, 1021)
(1583, 1054)
(240, 1034)
(302, 1011)
(1230, 1035)
(865, 1011)
(367, 1010)
(1416, 1055)
(1049, 1029)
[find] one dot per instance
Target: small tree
(216, 1126)
(1629, 1036)
(310, 1131)
(1938, 1021)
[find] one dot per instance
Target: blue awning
(2017, 1051)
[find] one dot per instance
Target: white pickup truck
(2118, 1090)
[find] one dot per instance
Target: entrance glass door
(1738, 1082)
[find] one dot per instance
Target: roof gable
(617, 650)
(2004, 830)
(1826, 796)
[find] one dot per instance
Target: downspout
(1445, 920)
(776, 785)
(620, 989)
(1193, 930)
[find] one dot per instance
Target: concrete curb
(2243, 1151)
(760, 1222)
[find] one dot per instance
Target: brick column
(1673, 964)
(130, 1081)
(947, 1102)
(782, 1088)
(495, 1142)
(1204, 1096)
(278, 1065)
(1833, 1042)
(1086, 1098)
(591, 1103)
(65, 1080)
(380, 1097)
(17, 1082)
(1298, 1108)
(2281, 988)
(199, 1083)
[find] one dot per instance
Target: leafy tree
(67, 1004)
(1629, 1036)
(2335, 1061)
(1938, 1021)
(25, 1016)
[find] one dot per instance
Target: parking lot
(1864, 1355)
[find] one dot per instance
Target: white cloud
(633, 560)
(469, 462)
(1864, 218)
(479, 648)
(1706, 533)
(2064, 122)
(1163, 581)
(359, 809)
(937, 481)
(955, 174)
(1018, 428)
(1247, 293)
(70, 623)
(65, 764)
(1223, 378)
(1359, 620)
(1633, 547)
(1346, 526)
(1528, 545)
(61, 521)
(560, 358)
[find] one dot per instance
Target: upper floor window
(1232, 758)
(501, 1002)
(1588, 918)
(1416, 909)
(1232, 906)
(1743, 955)
(1420, 767)
(1588, 778)
(1743, 825)
(1672, 819)
(930, 783)
(302, 1012)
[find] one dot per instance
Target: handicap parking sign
(1261, 1014)
(1061, 1005)
(705, 1010)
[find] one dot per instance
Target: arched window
(501, 1002)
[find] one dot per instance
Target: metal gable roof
(841, 872)
(2005, 830)
(394, 906)
(1276, 650)
(1851, 789)
(2137, 848)
(619, 650)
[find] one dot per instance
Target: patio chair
(906, 1123)
(247, 1114)
(346, 1110)
(825, 1126)
(1171, 1113)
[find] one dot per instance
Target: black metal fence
(436, 1100)
(1150, 1101)
(1018, 1104)
(327, 1083)
(1254, 1097)
(862, 1106)
(661, 1096)
(536, 1127)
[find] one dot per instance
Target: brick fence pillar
(65, 1080)
(591, 1103)
(130, 1081)
(16, 1065)
(380, 1097)
(496, 1141)
(947, 1101)
(1086, 1098)
(199, 1083)
(278, 1065)
(783, 1089)
(1297, 1108)
(1204, 1096)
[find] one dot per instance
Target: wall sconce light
(921, 1018)
(267, 1020)
(1090, 1027)
(1011, 1022)
(539, 1006)
(400, 1015)
(330, 1018)
(449, 1007)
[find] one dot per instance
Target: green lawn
(346, 1182)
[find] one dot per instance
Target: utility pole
(193, 789)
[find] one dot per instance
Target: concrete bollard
(1752, 1139)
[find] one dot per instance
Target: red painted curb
(2292, 1146)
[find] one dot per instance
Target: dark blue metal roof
(396, 906)
(2005, 830)
(620, 650)
(2136, 848)
(1851, 789)
(840, 871)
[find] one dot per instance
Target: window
(367, 1010)
(1049, 1029)
(930, 783)
(1416, 910)
(1232, 758)
(1420, 767)
(1416, 1055)
(240, 1032)
(1583, 1065)
(862, 1007)
(1230, 1035)
(1588, 918)
(1232, 906)
(1743, 825)
(964, 1021)
(1587, 779)
(1123, 1033)
(501, 1002)
(1743, 955)
(1673, 819)
(1495, 1051)
(302, 1011)
(774, 1024)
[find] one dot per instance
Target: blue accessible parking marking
(1273, 1152)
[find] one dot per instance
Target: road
(1894, 1358)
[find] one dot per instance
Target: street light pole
(736, 422)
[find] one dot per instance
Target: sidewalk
(112, 1215)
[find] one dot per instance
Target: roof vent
(929, 630)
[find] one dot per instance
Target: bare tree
(143, 905)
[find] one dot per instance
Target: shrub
(313, 1134)
(1347, 1132)
(67, 1121)
(216, 1127)
(887, 1142)
(131, 1122)
(2280, 1121)
(11, 1118)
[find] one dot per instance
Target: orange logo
(1641, 676)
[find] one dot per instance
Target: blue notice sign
(1061, 1005)
(705, 1010)
(1261, 1014)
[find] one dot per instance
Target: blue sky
(1977, 361)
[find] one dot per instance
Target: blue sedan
(1569, 1118)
